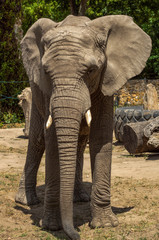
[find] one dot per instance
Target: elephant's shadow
(82, 213)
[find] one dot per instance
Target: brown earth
(135, 195)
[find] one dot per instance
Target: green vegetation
(17, 16)
(12, 74)
(146, 14)
(33, 10)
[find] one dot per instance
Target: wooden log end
(130, 139)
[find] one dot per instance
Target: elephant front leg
(27, 188)
(101, 157)
(102, 215)
(80, 194)
(51, 218)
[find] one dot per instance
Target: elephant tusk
(88, 117)
(49, 122)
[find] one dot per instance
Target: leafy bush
(10, 118)
(33, 10)
(145, 13)
(12, 75)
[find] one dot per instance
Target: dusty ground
(135, 195)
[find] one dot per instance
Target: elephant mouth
(88, 117)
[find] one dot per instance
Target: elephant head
(68, 62)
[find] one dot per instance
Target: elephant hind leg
(27, 188)
(80, 194)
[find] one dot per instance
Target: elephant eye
(92, 69)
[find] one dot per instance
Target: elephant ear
(33, 50)
(127, 50)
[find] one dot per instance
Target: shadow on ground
(81, 210)
(153, 157)
(22, 137)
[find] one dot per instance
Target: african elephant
(74, 68)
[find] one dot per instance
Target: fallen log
(142, 136)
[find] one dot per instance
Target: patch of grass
(12, 125)
(135, 202)
(23, 235)
(9, 181)
(41, 177)
(1, 229)
(156, 236)
(4, 149)
(154, 203)
(86, 150)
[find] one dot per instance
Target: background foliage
(12, 75)
(146, 14)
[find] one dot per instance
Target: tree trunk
(74, 7)
(78, 10)
(142, 136)
(82, 8)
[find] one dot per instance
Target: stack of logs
(144, 136)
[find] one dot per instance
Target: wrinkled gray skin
(73, 66)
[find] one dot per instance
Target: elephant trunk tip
(71, 232)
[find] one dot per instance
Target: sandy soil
(133, 177)
(13, 147)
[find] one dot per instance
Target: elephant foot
(51, 221)
(81, 195)
(104, 218)
(26, 197)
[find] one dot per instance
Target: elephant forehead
(77, 35)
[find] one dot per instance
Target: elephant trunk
(67, 114)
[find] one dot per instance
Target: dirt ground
(135, 195)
